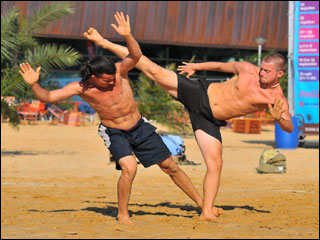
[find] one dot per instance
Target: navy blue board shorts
(142, 140)
(193, 95)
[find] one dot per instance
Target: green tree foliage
(18, 45)
(156, 104)
(284, 83)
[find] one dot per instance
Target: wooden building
(222, 24)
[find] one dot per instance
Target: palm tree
(18, 45)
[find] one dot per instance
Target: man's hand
(124, 25)
(187, 68)
(28, 74)
(93, 35)
(277, 110)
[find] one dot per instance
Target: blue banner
(306, 62)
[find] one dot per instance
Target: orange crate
(247, 125)
(74, 118)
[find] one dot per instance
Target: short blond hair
(278, 59)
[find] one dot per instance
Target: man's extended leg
(167, 79)
(184, 183)
(129, 168)
(211, 149)
(181, 179)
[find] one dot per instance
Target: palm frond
(26, 41)
(46, 15)
(10, 112)
(18, 45)
(9, 27)
(9, 79)
(48, 56)
(52, 56)
(23, 91)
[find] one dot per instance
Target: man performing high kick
(209, 105)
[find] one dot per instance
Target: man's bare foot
(217, 211)
(208, 217)
(124, 220)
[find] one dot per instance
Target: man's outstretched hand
(28, 74)
(186, 68)
(277, 109)
(123, 27)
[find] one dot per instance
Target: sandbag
(272, 161)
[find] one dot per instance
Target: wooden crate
(247, 125)
(74, 118)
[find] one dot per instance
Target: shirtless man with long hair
(105, 86)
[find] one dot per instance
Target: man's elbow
(289, 129)
(136, 59)
(48, 98)
(43, 99)
(48, 101)
(137, 56)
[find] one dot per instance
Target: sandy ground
(57, 182)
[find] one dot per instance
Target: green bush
(154, 103)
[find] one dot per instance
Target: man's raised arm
(32, 78)
(231, 67)
(131, 55)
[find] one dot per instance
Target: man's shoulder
(76, 86)
(247, 66)
(119, 68)
(246, 69)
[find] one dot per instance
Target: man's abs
(124, 122)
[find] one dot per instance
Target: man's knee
(129, 173)
(129, 168)
(169, 166)
(214, 162)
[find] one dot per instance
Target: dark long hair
(96, 66)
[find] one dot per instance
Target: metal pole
(290, 58)
(259, 54)
(260, 41)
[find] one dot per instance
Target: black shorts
(193, 95)
(142, 140)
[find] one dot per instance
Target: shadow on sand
(5, 153)
(111, 209)
(268, 143)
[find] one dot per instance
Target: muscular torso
(115, 106)
(240, 96)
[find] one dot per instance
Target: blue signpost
(304, 62)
